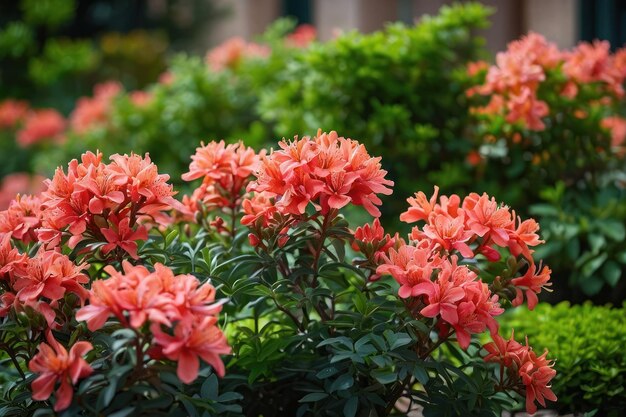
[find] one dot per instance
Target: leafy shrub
(400, 90)
(585, 236)
(550, 122)
(118, 299)
(588, 341)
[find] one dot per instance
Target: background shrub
(589, 344)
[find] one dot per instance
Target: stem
(436, 345)
(289, 314)
(11, 353)
(396, 393)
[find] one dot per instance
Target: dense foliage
(551, 124)
(588, 340)
(119, 299)
(400, 89)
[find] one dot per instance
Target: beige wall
(556, 19)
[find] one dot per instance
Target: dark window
(603, 19)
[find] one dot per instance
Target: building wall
(556, 19)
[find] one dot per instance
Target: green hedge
(588, 342)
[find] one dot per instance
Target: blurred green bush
(400, 91)
(588, 342)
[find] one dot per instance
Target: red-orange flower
(191, 341)
(94, 111)
(54, 364)
(326, 171)
(21, 218)
(230, 53)
(12, 112)
(41, 125)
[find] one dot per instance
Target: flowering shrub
(548, 119)
(399, 89)
(112, 291)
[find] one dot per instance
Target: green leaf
(312, 397)
(209, 388)
(592, 266)
(612, 273)
(127, 411)
(327, 372)
(341, 340)
(344, 382)
(350, 408)
(614, 229)
(421, 374)
(383, 376)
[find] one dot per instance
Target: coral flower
(122, 236)
(302, 36)
(41, 125)
(531, 284)
(94, 111)
(12, 112)
(617, 128)
(54, 364)
(21, 218)
(200, 339)
(536, 373)
(230, 53)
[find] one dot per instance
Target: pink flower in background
(42, 125)
(12, 112)
(302, 36)
(93, 111)
(617, 127)
(232, 51)
(19, 183)
(166, 78)
(588, 62)
(140, 98)
(54, 364)
(527, 109)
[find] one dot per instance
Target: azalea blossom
(105, 203)
(12, 112)
(326, 171)
(41, 125)
(531, 372)
(91, 112)
(54, 364)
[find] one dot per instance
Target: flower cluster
(226, 172)
(109, 204)
(326, 172)
(54, 364)
(12, 112)
(177, 312)
(42, 125)
(21, 219)
(302, 36)
(94, 111)
(475, 226)
(39, 283)
(439, 275)
(530, 372)
(19, 183)
(230, 53)
(374, 244)
(31, 125)
(514, 83)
